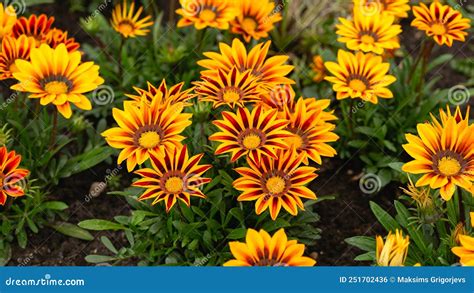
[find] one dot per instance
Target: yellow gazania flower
(471, 215)
(444, 153)
(261, 249)
(369, 33)
(57, 36)
(318, 68)
(276, 183)
(397, 8)
(360, 76)
(232, 89)
(271, 71)
(7, 20)
(12, 50)
(393, 252)
(206, 13)
(126, 21)
(310, 135)
(35, 26)
(10, 175)
(174, 176)
(442, 22)
(145, 129)
(257, 134)
(172, 95)
(466, 251)
(58, 77)
(256, 19)
(421, 196)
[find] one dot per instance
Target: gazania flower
(10, 175)
(37, 27)
(172, 95)
(125, 20)
(442, 22)
(206, 13)
(310, 135)
(58, 77)
(7, 20)
(174, 176)
(276, 183)
(261, 249)
(233, 88)
(360, 76)
(256, 134)
(393, 252)
(271, 71)
(466, 251)
(397, 8)
(145, 129)
(318, 68)
(255, 19)
(369, 33)
(12, 50)
(443, 153)
(57, 36)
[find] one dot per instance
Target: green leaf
(397, 166)
(402, 214)
(100, 225)
(54, 205)
(72, 230)
(275, 225)
(108, 244)
(362, 242)
(368, 256)
(22, 238)
(387, 221)
(94, 258)
(238, 233)
(86, 161)
(5, 254)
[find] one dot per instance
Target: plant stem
(417, 61)
(54, 129)
(462, 215)
(120, 73)
(428, 48)
(349, 117)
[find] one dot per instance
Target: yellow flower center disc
(149, 139)
(230, 96)
(295, 141)
(357, 85)
(56, 87)
(276, 185)
(249, 24)
(449, 166)
(438, 29)
(207, 15)
(125, 27)
(251, 141)
(174, 185)
(367, 39)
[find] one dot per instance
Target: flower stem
(462, 215)
(120, 65)
(54, 129)
(349, 117)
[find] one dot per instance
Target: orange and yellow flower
(361, 76)
(173, 176)
(146, 128)
(318, 68)
(35, 26)
(125, 20)
(466, 251)
(7, 20)
(261, 249)
(255, 19)
(206, 13)
(397, 8)
(275, 183)
(58, 77)
(442, 22)
(271, 71)
(57, 36)
(12, 50)
(443, 152)
(172, 95)
(393, 252)
(232, 89)
(369, 33)
(257, 134)
(10, 175)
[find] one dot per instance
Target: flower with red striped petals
(261, 249)
(257, 134)
(10, 175)
(35, 26)
(172, 95)
(174, 176)
(442, 22)
(12, 50)
(276, 183)
(57, 36)
(7, 20)
(232, 88)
